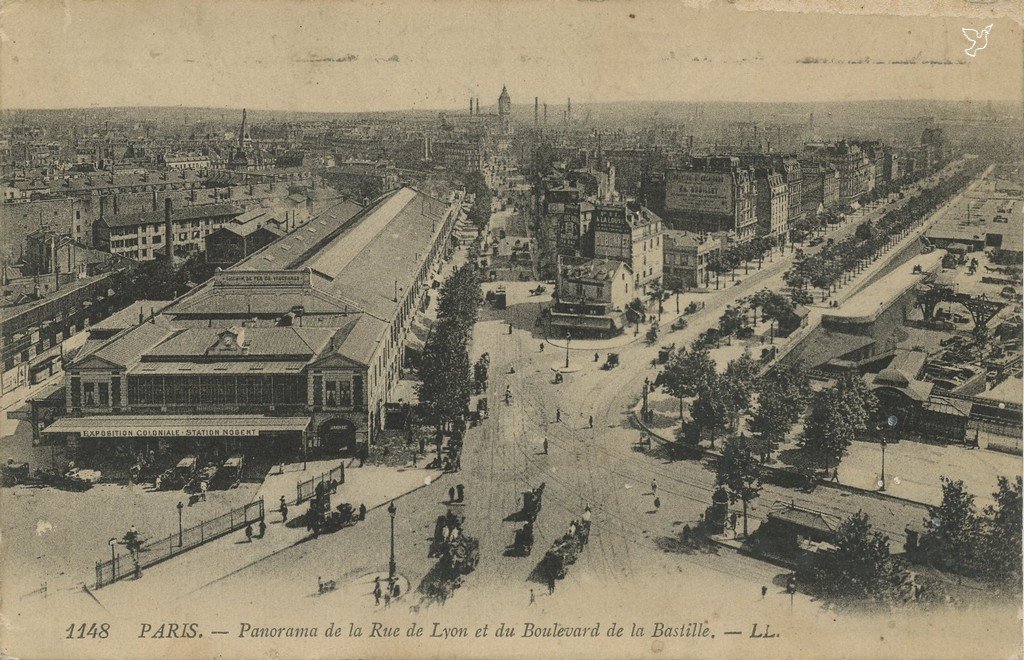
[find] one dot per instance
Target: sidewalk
(912, 469)
(179, 576)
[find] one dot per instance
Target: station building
(298, 346)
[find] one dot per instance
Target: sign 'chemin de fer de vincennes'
(699, 192)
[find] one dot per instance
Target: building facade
(631, 234)
(711, 194)
(686, 259)
(298, 346)
(591, 296)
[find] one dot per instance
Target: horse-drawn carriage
(566, 550)
(230, 474)
(480, 374)
(611, 362)
(522, 542)
(179, 476)
(538, 291)
(322, 519)
(532, 500)
(15, 473)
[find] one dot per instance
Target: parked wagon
(231, 471)
(15, 473)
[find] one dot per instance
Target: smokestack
(168, 230)
(545, 113)
(536, 110)
(478, 105)
(470, 106)
(568, 110)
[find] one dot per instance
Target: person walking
(654, 486)
(451, 494)
(533, 598)
(263, 528)
(835, 475)
(764, 591)
(558, 414)
(657, 503)
(284, 510)
(362, 511)
(203, 487)
(551, 583)
(248, 533)
(545, 446)
(542, 347)
(596, 357)
(591, 421)
(460, 492)
(377, 593)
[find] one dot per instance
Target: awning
(175, 426)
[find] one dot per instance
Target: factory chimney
(536, 110)
(168, 231)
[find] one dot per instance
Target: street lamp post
(181, 530)
(113, 558)
(568, 336)
(677, 301)
(882, 486)
(647, 388)
(391, 563)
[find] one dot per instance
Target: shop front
(151, 443)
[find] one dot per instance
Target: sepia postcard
(481, 329)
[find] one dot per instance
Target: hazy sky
(349, 56)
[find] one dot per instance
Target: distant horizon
(528, 106)
(360, 56)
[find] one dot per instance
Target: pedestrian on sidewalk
(551, 583)
(657, 503)
(387, 598)
(533, 599)
(545, 446)
(835, 475)
(362, 511)
(263, 529)
(596, 357)
(591, 421)
(284, 511)
(377, 593)
(558, 414)
(542, 347)
(203, 487)
(248, 533)
(654, 486)
(764, 591)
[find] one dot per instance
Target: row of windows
(216, 390)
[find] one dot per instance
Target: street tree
(861, 567)
(687, 372)
(732, 320)
(445, 382)
(713, 410)
(740, 379)
(739, 473)
(1002, 545)
(782, 399)
(953, 532)
(828, 431)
